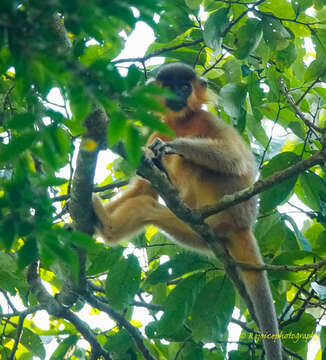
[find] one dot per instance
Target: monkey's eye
(185, 88)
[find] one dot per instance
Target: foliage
(244, 48)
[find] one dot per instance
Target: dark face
(180, 93)
(178, 79)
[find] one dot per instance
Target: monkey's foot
(104, 224)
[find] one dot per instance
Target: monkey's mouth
(175, 104)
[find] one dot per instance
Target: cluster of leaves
(243, 48)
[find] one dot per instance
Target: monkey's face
(180, 92)
(177, 78)
(187, 91)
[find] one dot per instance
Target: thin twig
(158, 53)
(297, 110)
(18, 336)
(134, 332)
(292, 268)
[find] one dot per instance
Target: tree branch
(292, 268)
(296, 108)
(169, 193)
(261, 185)
(80, 205)
(18, 336)
(121, 321)
(53, 307)
(158, 53)
(111, 186)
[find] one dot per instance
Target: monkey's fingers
(160, 148)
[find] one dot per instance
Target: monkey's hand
(160, 148)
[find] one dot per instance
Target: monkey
(205, 161)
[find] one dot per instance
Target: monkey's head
(188, 90)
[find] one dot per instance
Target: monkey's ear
(203, 82)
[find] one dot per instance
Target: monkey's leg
(243, 248)
(104, 211)
(138, 186)
(135, 212)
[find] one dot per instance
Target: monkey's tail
(243, 248)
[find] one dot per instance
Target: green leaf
(209, 319)
(257, 130)
(133, 145)
(300, 6)
(255, 92)
(193, 4)
(215, 26)
(8, 231)
(119, 343)
(16, 146)
(179, 306)
(293, 257)
(303, 242)
(51, 249)
(64, 347)
(279, 8)
(93, 53)
(323, 338)
(312, 190)
(318, 4)
(21, 121)
(287, 56)
(33, 343)
(153, 122)
(273, 235)
(248, 38)
(9, 275)
(28, 253)
(297, 335)
(102, 258)
(277, 194)
(319, 40)
(179, 265)
(232, 69)
(277, 37)
(232, 97)
(133, 77)
(123, 282)
(273, 80)
(192, 351)
(316, 69)
(79, 103)
(117, 127)
(81, 240)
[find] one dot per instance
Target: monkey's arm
(228, 156)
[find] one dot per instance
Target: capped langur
(207, 160)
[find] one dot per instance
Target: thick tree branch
(80, 204)
(169, 193)
(195, 218)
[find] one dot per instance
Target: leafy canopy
(244, 48)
